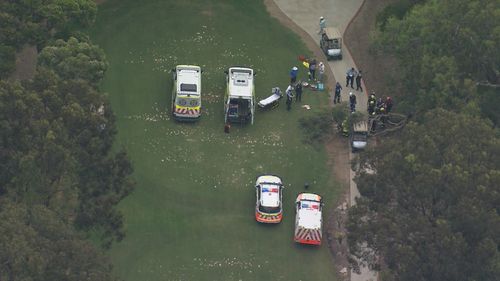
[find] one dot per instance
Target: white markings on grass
(235, 262)
(156, 116)
(173, 51)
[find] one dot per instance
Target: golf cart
(239, 101)
(359, 136)
(331, 43)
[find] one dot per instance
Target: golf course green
(191, 216)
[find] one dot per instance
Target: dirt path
(25, 66)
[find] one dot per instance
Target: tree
(431, 201)
(443, 48)
(28, 20)
(58, 174)
(7, 60)
(74, 59)
(397, 10)
(56, 139)
(103, 177)
(36, 22)
(74, 13)
(37, 245)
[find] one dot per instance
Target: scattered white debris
(342, 207)
(306, 106)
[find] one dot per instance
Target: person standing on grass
(336, 97)
(289, 97)
(293, 74)
(312, 69)
(298, 91)
(322, 25)
(321, 71)
(358, 81)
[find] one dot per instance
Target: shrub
(7, 61)
(316, 128)
(397, 10)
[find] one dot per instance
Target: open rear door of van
(252, 109)
(226, 111)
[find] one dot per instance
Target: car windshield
(269, 210)
(190, 102)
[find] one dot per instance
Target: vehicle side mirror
(254, 73)
(173, 69)
(226, 72)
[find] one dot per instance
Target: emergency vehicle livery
(308, 222)
(239, 100)
(268, 208)
(186, 93)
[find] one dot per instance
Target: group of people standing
(352, 75)
(380, 105)
(296, 86)
(312, 65)
(375, 106)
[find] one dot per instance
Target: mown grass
(191, 217)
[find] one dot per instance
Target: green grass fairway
(192, 214)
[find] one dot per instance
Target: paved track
(338, 13)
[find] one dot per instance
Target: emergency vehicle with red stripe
(269, 192)
(186, 93)
(308, 221)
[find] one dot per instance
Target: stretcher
(271, 101)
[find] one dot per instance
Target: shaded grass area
(191, 216)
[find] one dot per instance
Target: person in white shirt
(321, 71)
(289, 97)
(322, 25)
